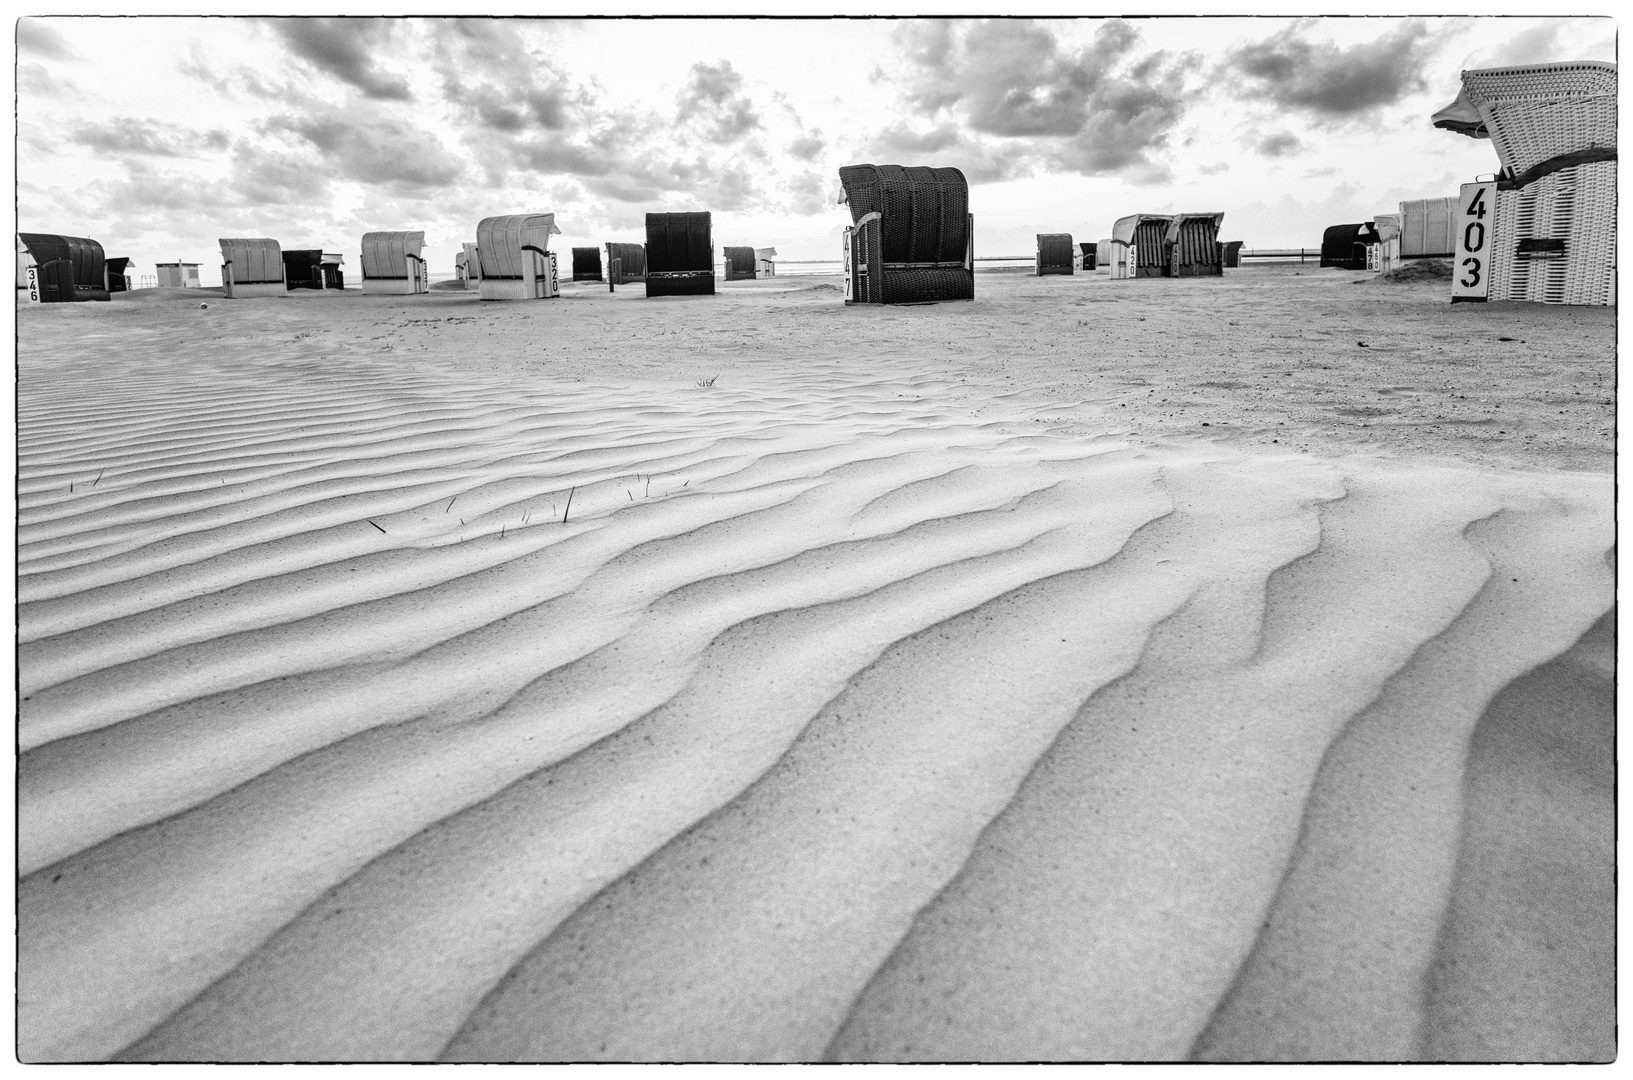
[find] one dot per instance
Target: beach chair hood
(386, 254)
(501, 242)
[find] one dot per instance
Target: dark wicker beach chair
(586, 264)
(1193, 246)
(1054, 254)
(626, 263)
(67, 268)
(1344, 247)
(1230, 253)
(912, 241)
(739, 263)
(1090, 252)
(679, 255)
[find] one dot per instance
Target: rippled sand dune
(379, 712)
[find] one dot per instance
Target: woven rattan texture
(1539, 112)
(680, 283)
(631, 262)
(1151, 248)
(923, 219)
(1054, 253)
(739, 263)
(1576, 206)
(679, 242)
(586, 264)
(1195, 250)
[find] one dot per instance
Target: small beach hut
(1553, 231)
(626, 263)
(514, 254)
(1102, 256)
(1344, 247)
(680, 254)
(472, 273)
(739, 263)
(393, 264)
(64, 269)
(586, 264)
(1230, 253)
(252, 267)
(118, 279)
(1089, 255)
(313, 268)
(1146, 237)
(765, 261)
(1192, 246)
(178, 275)
(1054, 255)
(912, 237)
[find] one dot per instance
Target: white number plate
(1476, 221)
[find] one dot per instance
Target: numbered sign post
(1476, 221)
(32, 276)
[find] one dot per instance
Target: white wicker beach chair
(1554, 129)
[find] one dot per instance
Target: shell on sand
(856, 710)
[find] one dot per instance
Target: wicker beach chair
(1193, 246)
(392, 263)
(1554, 129)
(1102, 255)
(1343, 247)
(1054, 254)
(1089, 254)
(679, 254)
(252, 267)
(586, 264)
(514, 253)
(66, 269)
(1147, 236)
(626, 263)
(117, 278)
(1230, 254)
(1428, 228)
(912, 237)
(739, 263)
(765, 261)
(472, 274)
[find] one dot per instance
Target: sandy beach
(1172, 669)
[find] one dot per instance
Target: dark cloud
(1277, 144)
(499, 85)
(1099, 109)
(128, 135)
(714, 94)
(42, 39)
(1326, 80)
(375, 149)
(346, 49)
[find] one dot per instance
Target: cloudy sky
(157, 136)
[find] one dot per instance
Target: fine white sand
(911, 693)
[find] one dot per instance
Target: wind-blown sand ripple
(838, 719)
